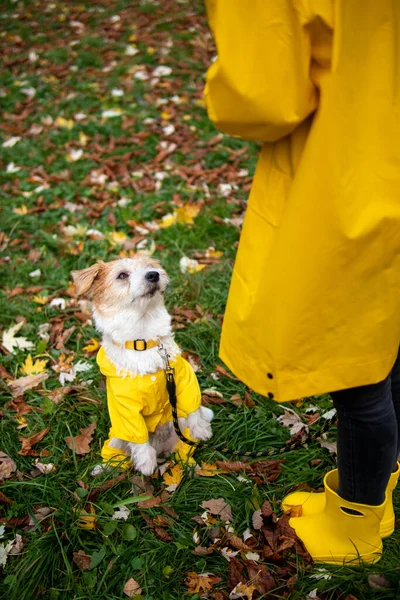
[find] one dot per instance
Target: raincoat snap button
(270, 376)
(270, 395)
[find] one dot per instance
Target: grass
(72, 55)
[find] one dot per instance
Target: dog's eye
(123, 276)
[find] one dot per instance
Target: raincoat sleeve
(187, 387)
(259, 86)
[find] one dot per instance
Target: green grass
(78, 78)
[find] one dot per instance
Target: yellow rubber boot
(309, 503)
(336, 536)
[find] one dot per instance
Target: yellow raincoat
(137, 405)
(314, 303)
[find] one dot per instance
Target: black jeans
(368, 438)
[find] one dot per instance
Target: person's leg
(367, 441)
(396, 401)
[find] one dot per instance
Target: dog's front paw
(144, 458)
(199, 423)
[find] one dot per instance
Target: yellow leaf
(118, 237)
(33, 368)
(87, 520)
(64, 123)
(150, 50)
(168, 220)
(173, 477)
(22, 421)
(92, 346)
(41, 299)
(83, 139)
(132, 37)
(165, 115)
(208, 470)
(183, 214)
(187, 213)
(212, 253)
(21, 210)
(241, 590)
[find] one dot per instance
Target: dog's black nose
(152, 276)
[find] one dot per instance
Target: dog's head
(122, 284)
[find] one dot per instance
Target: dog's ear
(84, 279)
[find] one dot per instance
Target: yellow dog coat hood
(314, 303)
(137, 404)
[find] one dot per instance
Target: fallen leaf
(207, 470)
(242, 590)
(92, 346)
(173, 477)
(82, 560)
(330, 446)
(4, 374)
(132, 588)
(200, 583)
(7, 466)
(218, 507)
(121, 514)
(376, 580)
(257, 519)
(44, 468)
(87, 520)
(190, 265)
(33, 368)
(261, 577)
(80, 443)
(10, 342)
(291, 420)
(224, 372)
(19, 386)
(5, 499)
(28, 443)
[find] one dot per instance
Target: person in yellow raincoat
(314, 302)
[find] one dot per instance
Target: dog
(127, 297)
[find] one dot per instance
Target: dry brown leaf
(218, 507)
(82, 560)
(376, 580)
(28, 443)
(203, 551)
(132, 588)
(80, 443)
(236, 466)
(93, 495)
(150, 503)
(5, 499)
(261, 577)
(257, 519)
(4, 374)
(7, 466)
(237, 543)
(200, 583)
(19, 386)
(222, 371)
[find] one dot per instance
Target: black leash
(289, 447)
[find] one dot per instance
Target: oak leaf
(28, 443)
(80, 443)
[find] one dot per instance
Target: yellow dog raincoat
(138, 404)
